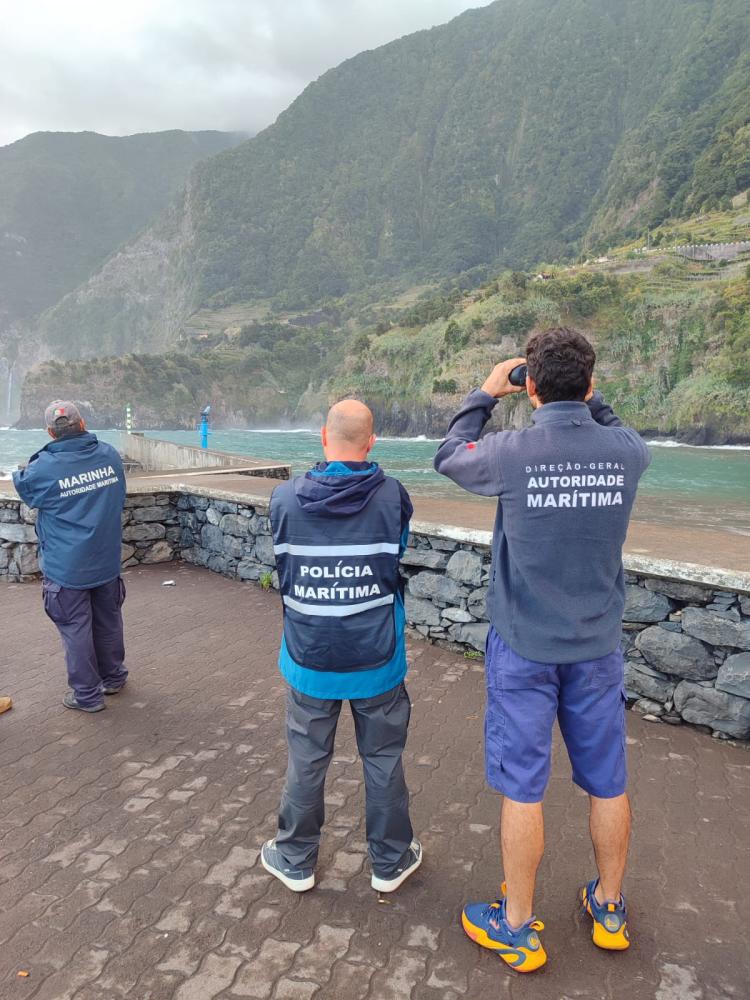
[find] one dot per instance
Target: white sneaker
(411, 860)
(296, 879)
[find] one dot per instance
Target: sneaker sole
(518, 959)
(296, 885)
(390, 885)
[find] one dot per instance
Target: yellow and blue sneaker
(610, 919)
(521, 949)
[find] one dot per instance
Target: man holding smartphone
(566, 487)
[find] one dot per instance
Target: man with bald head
(339, 532)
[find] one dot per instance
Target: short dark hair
(561, 362)
(66, 430)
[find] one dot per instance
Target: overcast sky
(124, 66)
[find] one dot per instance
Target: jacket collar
(72, 443)
(568, 411)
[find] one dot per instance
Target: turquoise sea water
(708, 486)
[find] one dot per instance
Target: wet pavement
(129, 839)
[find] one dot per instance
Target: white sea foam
(273, 430)
(669, 443)
(420, 438)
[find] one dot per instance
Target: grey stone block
(477, 603)
(648, 683)
(470, 635)
(444, 544)
(212, 538)
(466, 567)
(676, 653)
(233, 524)
(689, 593)
(26, 562)
(145, 500)
(27, 514)
(645, 706)
(219, 563)
(9, 515)
(428, 558)
(143, 532)
(233, 546)
(734, 675)
(4, 558)
(143, 514)
(705, 706)
(435, 587)
(126, 552)
(745, 606)
(670, 626)
(716, 628)
(419, 612)
(645, 605)
(456, 615)
(253, 570)
(264, 550)
(159, 552)
(225, 506)
(17, 532)
(213, 516)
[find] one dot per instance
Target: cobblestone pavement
(129, 840)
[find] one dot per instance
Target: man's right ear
(324, 436)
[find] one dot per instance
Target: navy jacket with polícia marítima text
(78, 486)
(565, 489)
(338, 535)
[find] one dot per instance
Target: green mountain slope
(67, 200)
(521, 131)
(672, 339)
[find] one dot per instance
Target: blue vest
(339, 577)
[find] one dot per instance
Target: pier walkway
(129, 840)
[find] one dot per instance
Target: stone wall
(150, 534)
(686, 629)
(18, 543)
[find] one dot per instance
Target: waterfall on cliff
(9, 396)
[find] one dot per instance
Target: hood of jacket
(338, 488)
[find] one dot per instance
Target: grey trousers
(381, 725)
(90, 626)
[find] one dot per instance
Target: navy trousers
(90, 625)
(381, 725)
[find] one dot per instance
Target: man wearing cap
(77, 483)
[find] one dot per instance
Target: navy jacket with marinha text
(565, 489)
(78, 486)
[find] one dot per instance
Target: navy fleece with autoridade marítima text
(566, 487)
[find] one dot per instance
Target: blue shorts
(523, 699)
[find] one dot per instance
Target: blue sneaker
(610, 930)
(486, 924)
(70, 702)
(296, 879)
(408, 864)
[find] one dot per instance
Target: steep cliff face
(67, 200)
